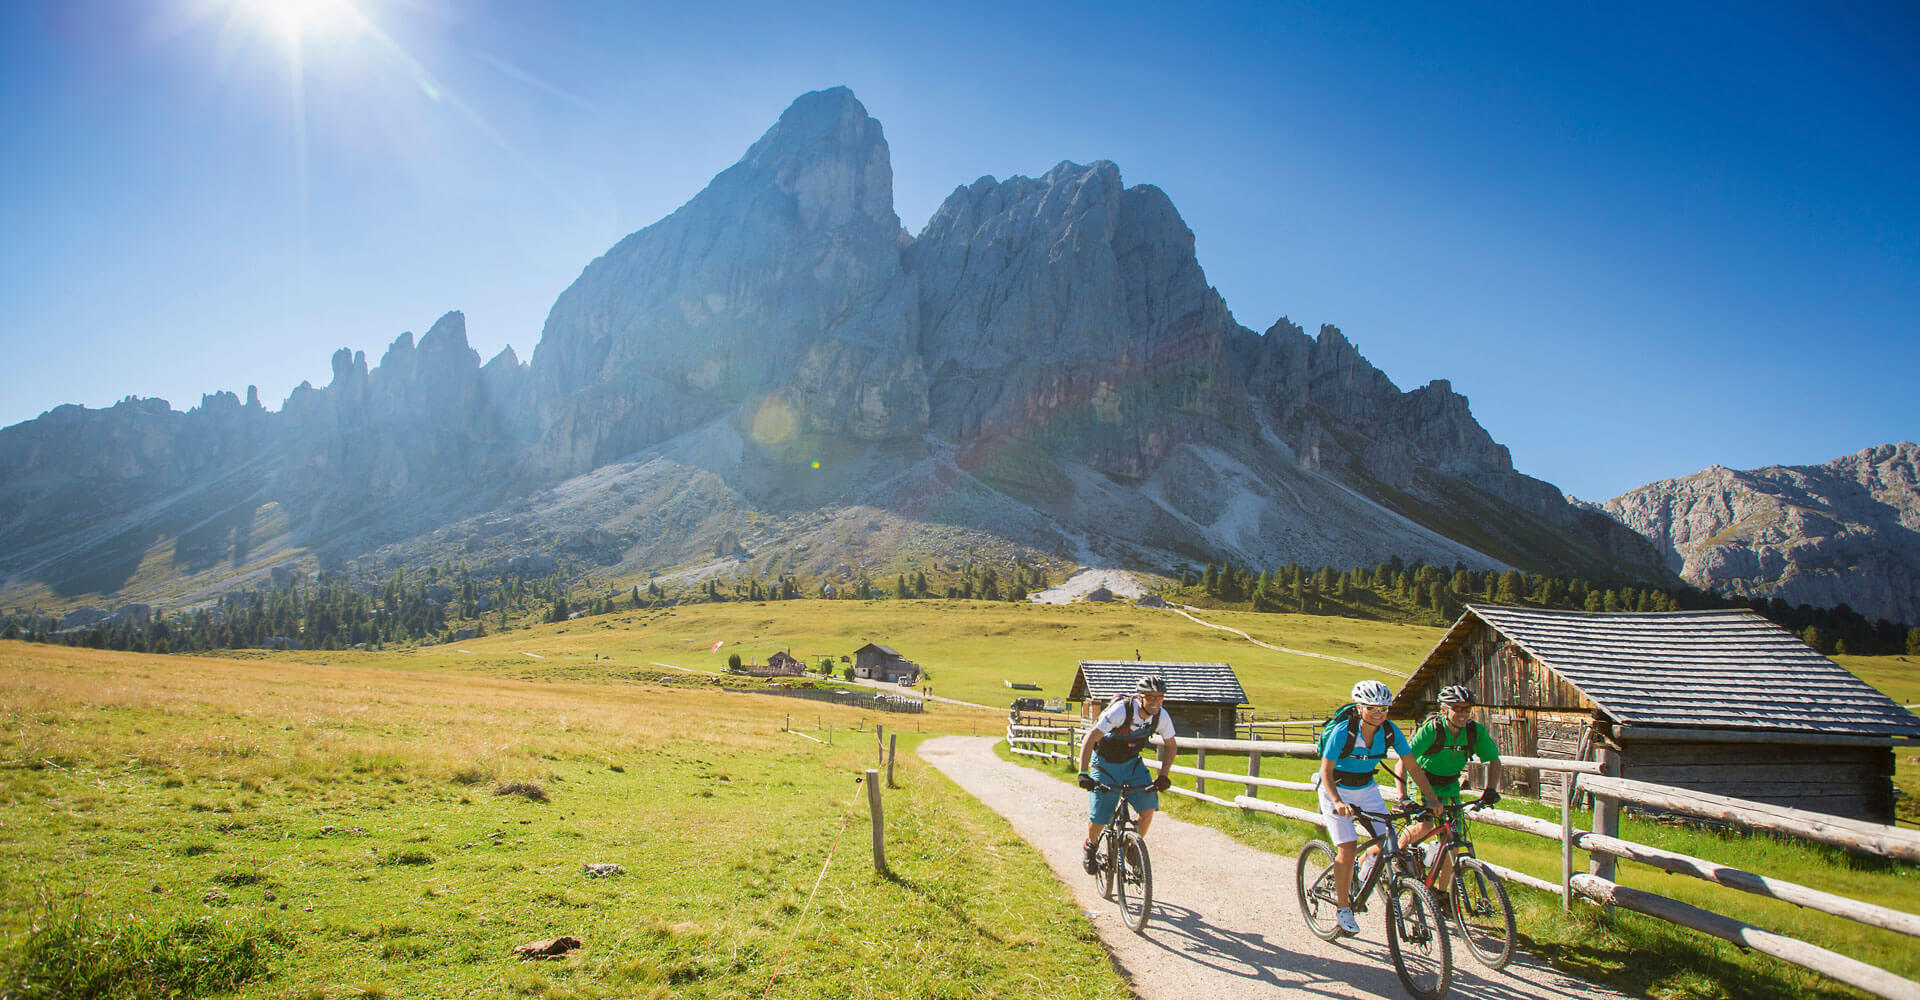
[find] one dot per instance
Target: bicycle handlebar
(1122, 788)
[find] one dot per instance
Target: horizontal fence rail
(1602, 846)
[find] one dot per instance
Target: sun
(301, 22)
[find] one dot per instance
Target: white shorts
(1341, 828)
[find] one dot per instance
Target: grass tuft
(531, 791)
(73, 955)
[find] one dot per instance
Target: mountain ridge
(1846, 531)
(1042, 373)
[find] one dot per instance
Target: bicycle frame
(1402, 859)
(1451, 830)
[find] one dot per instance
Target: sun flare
(305, 21)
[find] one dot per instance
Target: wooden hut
(1202, 698)
(884, 664)
(1718, 701)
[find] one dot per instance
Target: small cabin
(1202, 698)
(877, 662)
(1716, 701)
(785, 664)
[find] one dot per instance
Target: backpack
(1468, 732)
(1116, 749)
(1350, 715)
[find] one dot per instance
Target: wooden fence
(1598, 779)
(1039, 734)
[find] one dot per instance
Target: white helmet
(1372, 693)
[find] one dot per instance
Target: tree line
(1397, 590)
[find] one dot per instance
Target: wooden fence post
(892, 742)
(879, 744)
(1606, 815)
(1567, 781)
(1200, 784)
(1253, 771)
(879, 821)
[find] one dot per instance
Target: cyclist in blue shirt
(1350, 752)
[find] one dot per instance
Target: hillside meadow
(180, 826)
(970, 648)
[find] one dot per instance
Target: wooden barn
(1718, 701)
(1202, 698)
(883, 664)
(785, 664)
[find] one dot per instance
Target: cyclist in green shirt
(1441, 747)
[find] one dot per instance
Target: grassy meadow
(331, 825)
(180, 826)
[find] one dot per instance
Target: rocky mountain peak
(1846, 531)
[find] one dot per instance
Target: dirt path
(1225, 924)
(1188, 611)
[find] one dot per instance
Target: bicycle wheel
(1133, 890)
(1313, 880)
(1482, 912)
(1417, 938)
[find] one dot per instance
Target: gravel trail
(1225, 924)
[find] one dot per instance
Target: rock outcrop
(1845, 532)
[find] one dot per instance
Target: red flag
(717, 643)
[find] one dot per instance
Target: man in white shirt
(1110, 756)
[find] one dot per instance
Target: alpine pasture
(393, 823)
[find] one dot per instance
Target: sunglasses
(1373, 708)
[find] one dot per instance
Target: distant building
(1202, 698)
(1724, 702)
(785, 664)
(877, 662)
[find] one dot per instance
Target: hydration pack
(1350, 714)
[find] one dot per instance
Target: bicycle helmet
(1456, 694)
(1372, 693)
(1150, 685)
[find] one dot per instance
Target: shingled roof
(1728, 669)
(1212, 683)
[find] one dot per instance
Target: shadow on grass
(935, 899)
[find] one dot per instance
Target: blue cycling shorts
(1101, 805)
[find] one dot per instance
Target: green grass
(1638, 954)
(972, 648)
(334, 832)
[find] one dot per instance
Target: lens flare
(775, 421)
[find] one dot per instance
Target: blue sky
(1642, 239)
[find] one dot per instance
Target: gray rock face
(1069, 310)
(1846, 532)
(780, 281)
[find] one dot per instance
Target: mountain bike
(1124, 871)
(1478, 900)
(1416, 928)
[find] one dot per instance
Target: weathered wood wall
(1849, 781)
(1200, 719)
(1206, 719)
